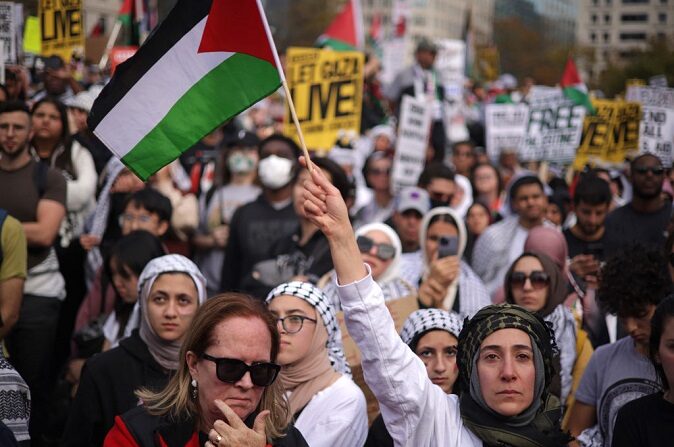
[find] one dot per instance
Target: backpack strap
(3, 216)
(40, 178)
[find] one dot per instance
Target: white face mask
(240, 163)
(275, 172)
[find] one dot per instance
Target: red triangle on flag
(570, 76)
(236, 26)
(343, 28)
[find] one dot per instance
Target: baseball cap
(243, 138)
(413, 198)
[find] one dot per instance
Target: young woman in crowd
(102, 319)
(536, 283)
(328, 408)
(171, 289)
(227, 372)
(488, 187)
(377, 173)
(649, 421)
(432, 334)
(478, 218)
(505, 356)
(380, 248)
(448, 282)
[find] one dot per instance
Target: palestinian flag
(574, 88)
(207, 62)
(345, 33)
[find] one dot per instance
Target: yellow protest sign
(32, 41)
(61, 27)
(327, 90)
(610, 134)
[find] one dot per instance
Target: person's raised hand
(324, 205)
(445, 270)
(235, 432)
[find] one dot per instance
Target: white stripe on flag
(151, 98)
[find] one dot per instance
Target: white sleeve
(81, 190)
(396, 376)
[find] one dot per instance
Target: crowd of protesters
(205, 306)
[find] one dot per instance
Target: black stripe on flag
(183, 17)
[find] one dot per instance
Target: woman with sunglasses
(380, 248)
(328, 408)
(224, 391)
(447, 281)
(170, 290)
(536, 283)
(504, 352)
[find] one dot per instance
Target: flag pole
(289, 98)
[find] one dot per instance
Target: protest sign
(8, 32)
(553, 131)
(392, 61)
(413, 133)
(658, 81)
(450, 63)
(656, 131)
(610, 134)
(399, 309)
(487, 63)
(32, 42)
(506, 125)
(327, 89)
(61, 27)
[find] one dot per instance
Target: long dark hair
(133, 251)
(63, 160)
(663, 313)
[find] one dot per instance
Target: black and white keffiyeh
(315, 296)
(424, 320)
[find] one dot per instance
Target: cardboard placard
(61, 27)
(656, 131)
(327, 90)
(506, 125)
(413, 134)
(8, 32)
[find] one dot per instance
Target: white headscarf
(165, 353)
(462, 236)
(393, 270)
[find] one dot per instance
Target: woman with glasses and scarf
(170, 290)
(448, 282)
(504, 353)
(328, 407)
(380, 248)
(225, 390)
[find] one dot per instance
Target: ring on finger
(218, 438)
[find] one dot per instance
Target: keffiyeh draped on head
(165, 352)
(424, 320)
(538, 425)
(313, 372)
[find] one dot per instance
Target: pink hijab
(550, 242)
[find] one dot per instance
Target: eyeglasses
(655, 170)
(538, 279)
(142, 218)
(384, 251)
(232, 370)
(292, 324)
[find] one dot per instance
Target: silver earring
(194, 389)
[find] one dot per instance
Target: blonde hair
(175, 400)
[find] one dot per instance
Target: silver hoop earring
(195, 392)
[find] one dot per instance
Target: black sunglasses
(384, 251)
(232, 370)
(655, 170)
(538, 279)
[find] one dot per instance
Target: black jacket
(153, 431)
(107, 387)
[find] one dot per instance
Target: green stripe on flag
(336, 45)
(580, 98)
(224, 92)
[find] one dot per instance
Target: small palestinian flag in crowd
(208, 61)
(574, 88)
(345, 33)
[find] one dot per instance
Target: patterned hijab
(538, 425)
(423, 320)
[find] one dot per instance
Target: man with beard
(255, 226)
(35, 195)
(645, 218)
